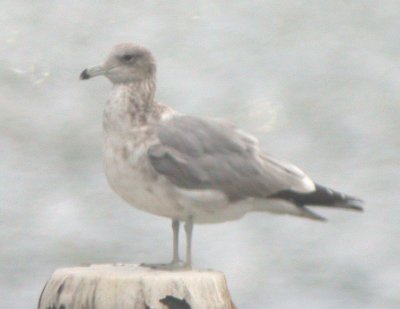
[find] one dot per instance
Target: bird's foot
(174, 265)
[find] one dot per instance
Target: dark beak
(84, 75)
(92, 72)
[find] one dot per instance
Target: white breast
(128, 170)
(130, 174)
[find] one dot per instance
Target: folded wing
(197, 154)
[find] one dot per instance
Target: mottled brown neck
(142, 93)
(132, 105)
(140, 96)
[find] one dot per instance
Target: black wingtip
(351, 203)
(322, 197)
(84, 75)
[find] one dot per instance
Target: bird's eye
(127, 57)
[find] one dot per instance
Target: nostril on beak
(84, 75)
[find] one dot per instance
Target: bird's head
(126, 63)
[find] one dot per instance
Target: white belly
(130, 174)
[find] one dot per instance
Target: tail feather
(307, 213)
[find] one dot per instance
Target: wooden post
(134, 287)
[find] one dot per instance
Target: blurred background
(318, 82)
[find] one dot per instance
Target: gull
(192, 169)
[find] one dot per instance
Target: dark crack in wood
(175, 303)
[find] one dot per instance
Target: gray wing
(196, 153)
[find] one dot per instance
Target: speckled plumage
(188, 168)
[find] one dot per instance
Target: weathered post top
(132, 286)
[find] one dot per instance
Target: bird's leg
(175, 230)
(176, 263)
(189, 232)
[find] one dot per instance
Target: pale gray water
(319, 81)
